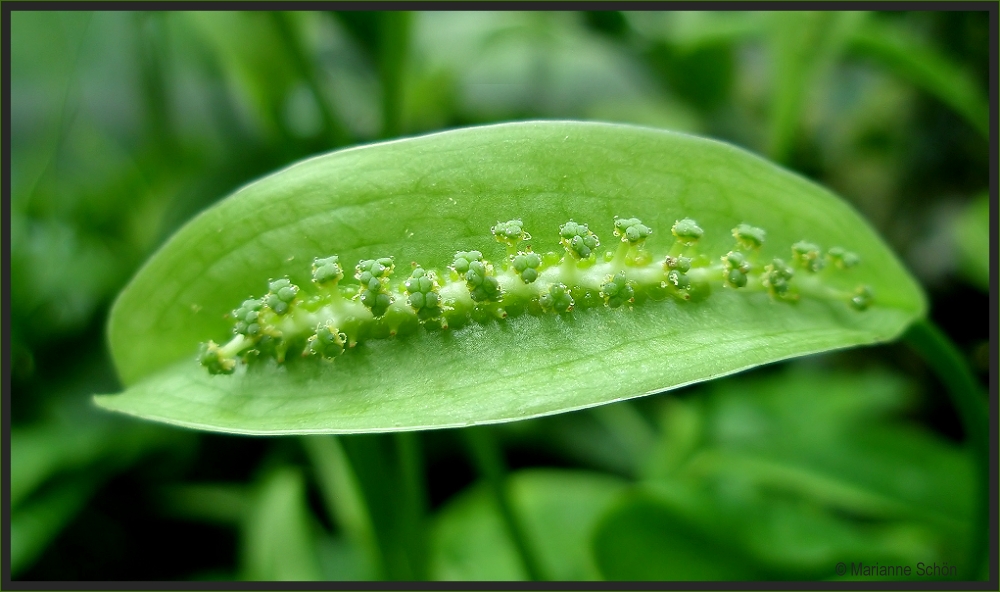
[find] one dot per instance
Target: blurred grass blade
(343, 496)
(489, 461)
(39, 452)
(972, 236)
(279, 536)
(265, 70)
(34, 524)
(907, 57)
(292, 39)
(398, 530)
(804, 47)
(220, 503)
(394, 40)
(692, 30)
(442, 193)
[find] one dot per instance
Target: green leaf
(219, 503)
(36, 523)
(423, 199)
(41, 451)
(343, 496)
(805, 45)
(805, 468)
(723, 530)
(972, 236)
(558, 508)
(279, 536)
(925, 67)
(828, 436)
(645, 538)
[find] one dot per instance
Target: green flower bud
(681, 264)
(862, 298)
(776, 277)
(373, 275)
(842, 258)
(328, 342)
(736, 278)
(738, 267)
(210, 356)
(327, 270)
(463, 259)
(632, 230)
(678, 280)
(282, 293)
(526, 265)
(557, 298)
(510, 233)
(617, 290)
(807, 256)
(423, 294)
(749, 237)
(687, 231)
(578, 240)
(247, 317)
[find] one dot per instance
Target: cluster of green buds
(479, 276)
(578, 240)
(617, 291)
(330, 318)
(373, 277)
(423, 294)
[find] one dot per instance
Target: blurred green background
(125, 125)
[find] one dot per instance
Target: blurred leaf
(722, 530)
(378, 463)
(279, 537)
(344, 498)
(806, 468)
(830, 437)
(343, 560)
(694, 52)
(642, 539)
(652, 112)
(34, 524)
(385, 37)
(57, 465)
(925, 67)
(445, 192)
(526, 64)
(578, 437)
(634, 434)
(39, 452)
(222, 503)
(695, 29)
(804, 47)
(557, 508)
(266, 69)
(972, 235)
(60, 276)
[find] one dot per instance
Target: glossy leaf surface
(423, 199)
